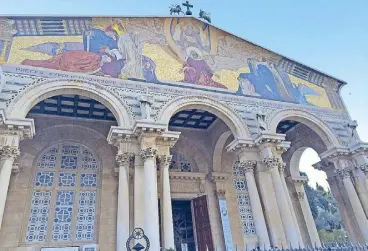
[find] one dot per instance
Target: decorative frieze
(148, 153)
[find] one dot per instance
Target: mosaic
(159, 51)
(48, 159)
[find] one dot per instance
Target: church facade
(167, 124)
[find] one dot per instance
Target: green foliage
(325, 213)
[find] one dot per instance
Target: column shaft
(123, 202)
(167, 219)
(6, 166)
(283, 205)
(286, 191)
(307, 213)
(361, 189)
(139, 185)
(151, 219)
(255, 202)
(355, 203)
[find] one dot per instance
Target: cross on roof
(188, 5)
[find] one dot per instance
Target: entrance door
(183, 225)
(202, 224)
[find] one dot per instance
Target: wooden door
(202, 224)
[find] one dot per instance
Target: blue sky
(329, 35)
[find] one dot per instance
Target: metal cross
(188, 5)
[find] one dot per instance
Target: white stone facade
(268, 189)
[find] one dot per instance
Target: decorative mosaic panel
(245, 211)
(39, 215)
(63, 216)
(85, 229)
(89, 161)
(67, 179)
(48, 159)
(45, 179)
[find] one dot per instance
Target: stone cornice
(324, 165)
(148, 126)
(118, 134)
(24, 128)
(240, 144)
(219, 176)
(187, 176)
(298, 179)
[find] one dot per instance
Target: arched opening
(22, 104)
(205, 132)
(309, 190)
(62, 167)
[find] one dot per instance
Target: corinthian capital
(9, 152)
(165, 161)
(272, 162)
(123, 159)
(343, 173)
(148, 153)
(247, 166)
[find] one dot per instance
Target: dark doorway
(183, 225)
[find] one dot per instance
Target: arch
(32, 94)
(225, 113)
(219, 147)
(295, 161)
(313, 122)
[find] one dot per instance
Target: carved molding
(9, 152)
(165, 161)
(124, 159)
(299, 195)
(247, 166)
(343, 173)
(148, 153)
(220, 193)
(272, 162)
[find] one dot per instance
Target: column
(255, 202)
(307, 213)
(123, 162)
(138, 192)
(286, 191)
(7, 157)
(167, 227)
(273, 164)
(345, 175)
(151, 220)
(360, 186)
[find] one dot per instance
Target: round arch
(226, 114)
(219, 147)
(313, 122)
(31, 95)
